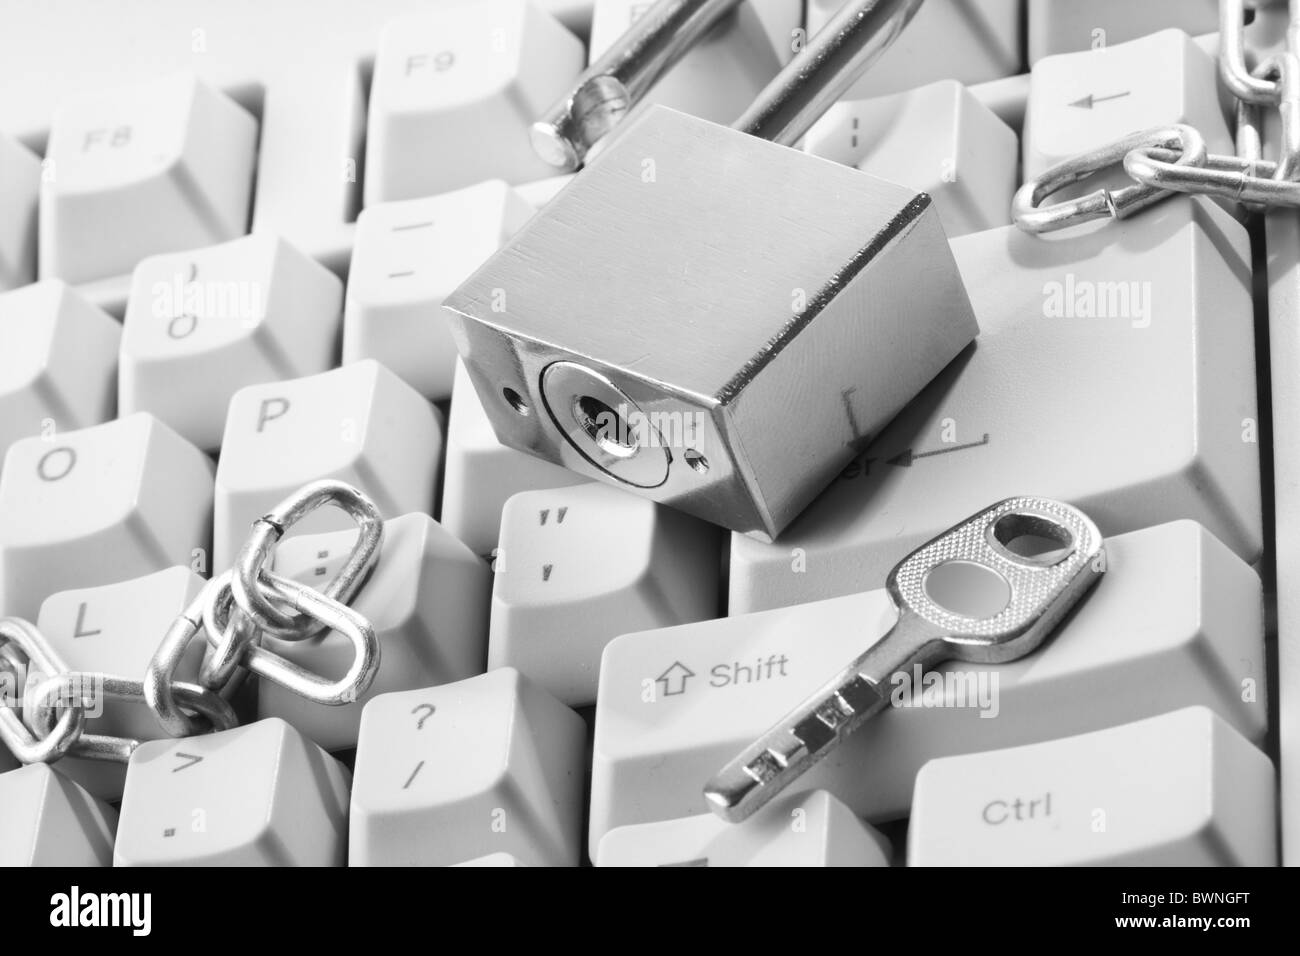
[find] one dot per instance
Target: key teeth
(765, 767)
(744, 786)
(835, 712)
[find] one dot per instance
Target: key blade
(794, 744)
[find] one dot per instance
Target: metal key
(1011, 595)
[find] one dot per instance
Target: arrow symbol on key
(674, 679)
(190, 761)
(1087, 102)
(905, 459)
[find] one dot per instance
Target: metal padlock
(712, 320)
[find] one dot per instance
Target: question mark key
(491, 764)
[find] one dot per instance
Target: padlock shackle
(818, 75)
(616, 82)
(825, 69)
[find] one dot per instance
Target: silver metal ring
(1031, 216)
(248, 583)
(161, 690)
(43, 662)
(54, 694)
(325, 613)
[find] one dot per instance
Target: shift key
(1177, 621)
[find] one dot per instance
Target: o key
(987, 590)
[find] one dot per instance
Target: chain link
(49, 722)
(26, 647)
(1233, 71)
(1170, 160)
(1182, 142)
(251, 577)
(232, 645)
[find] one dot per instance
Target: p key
(987, 590)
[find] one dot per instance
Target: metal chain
(231, 612)
(1174, 159)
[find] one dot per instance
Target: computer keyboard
(226, 230)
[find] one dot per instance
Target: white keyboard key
(455, 91)
(359, 423)
(20, 186)
(302, 68)
(451, 773)
(802, 829)
(260, 795)
(491, 859)
(408, 257)
(116, 629)
(200, 325)
(427, 599)
(1064, 26)
(154, 167)
(1081, 101)
(1177, 622)
(1115, 369)
(99, 505)
(481, 473)
(937, 139)
(725, 71)
(58, 366)
(579, 566)
(50, 821)
(1181, 789)
(971, 41)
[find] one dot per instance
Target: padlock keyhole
(605, 426)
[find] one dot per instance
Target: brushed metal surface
(788, 305)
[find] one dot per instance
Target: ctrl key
(1180, 789)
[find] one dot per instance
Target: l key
(987, 590)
